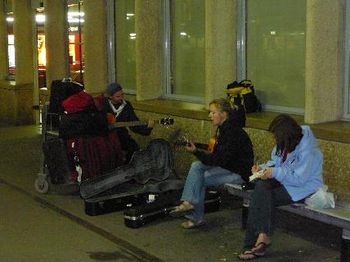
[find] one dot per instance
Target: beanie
(113, 88)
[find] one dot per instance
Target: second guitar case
(138, 216)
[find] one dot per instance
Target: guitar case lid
(154, 164)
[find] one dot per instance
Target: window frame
(346, 102)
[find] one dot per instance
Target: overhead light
(40, 18)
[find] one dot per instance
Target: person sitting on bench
(113, 103)
(229, 162)
(293, 173)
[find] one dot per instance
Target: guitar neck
(128, 124)
(164, 122)
(198, 145)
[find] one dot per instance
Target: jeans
(199, 177)
(267, 195)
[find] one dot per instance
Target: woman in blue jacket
(293, 173)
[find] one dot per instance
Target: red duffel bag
(92, 156)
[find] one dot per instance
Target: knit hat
(113, 88)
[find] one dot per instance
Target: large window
(125, 36)
(187, 19)
(276, 52)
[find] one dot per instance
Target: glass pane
(40, 36)
(10, 42)
(125, 44)
(187, 47)
(276, 51)
(76, 21)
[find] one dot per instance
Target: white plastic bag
(321, 199)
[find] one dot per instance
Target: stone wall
(336, 165)
(16, 105)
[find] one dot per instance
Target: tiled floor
(51, 227)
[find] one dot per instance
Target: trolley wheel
(41, 185)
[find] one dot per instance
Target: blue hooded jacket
(301, 172)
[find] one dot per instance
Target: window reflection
(188, 48)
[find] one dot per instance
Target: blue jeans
(199, 177)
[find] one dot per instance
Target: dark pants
(129, 146)
(267, 195)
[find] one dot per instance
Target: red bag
(81, 101)
(94, 155)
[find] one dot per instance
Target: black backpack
(243, 94)
(60, 90)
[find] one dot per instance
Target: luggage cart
(45, 180)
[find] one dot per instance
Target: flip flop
(189, 224)
(248, 253)
(181, 210)
(260, 249)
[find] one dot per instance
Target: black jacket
(233, 151)
(127, 115)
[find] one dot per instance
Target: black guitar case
(138, 216)
(150, 171)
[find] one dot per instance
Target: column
(323, 60)
(56, 40)
(148, 24)
(23, 91)
(95, 46)
(220, 53)
(22, 27)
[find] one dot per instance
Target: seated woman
(293, 173)
(229, 162)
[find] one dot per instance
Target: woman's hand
(255, 168)
(151, 123)
(190, 147)
(267, 173)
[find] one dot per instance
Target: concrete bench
(338, 216)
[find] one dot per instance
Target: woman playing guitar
(229, 161)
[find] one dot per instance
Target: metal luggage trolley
(45, 181)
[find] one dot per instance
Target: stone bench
(338, 216)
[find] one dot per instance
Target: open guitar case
(146, 188)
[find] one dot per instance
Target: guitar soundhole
(167, 121)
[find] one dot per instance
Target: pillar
(95, 46)
(324, 60)
(22, 27)
(22, 92)
(56, 40)
(220, 49)
(148, 49)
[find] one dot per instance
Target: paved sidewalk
(52, 218)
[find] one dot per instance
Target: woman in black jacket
(229, 162)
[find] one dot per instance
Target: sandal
(181, 209)
(189, 224)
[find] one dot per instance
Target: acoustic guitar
(208, 147)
